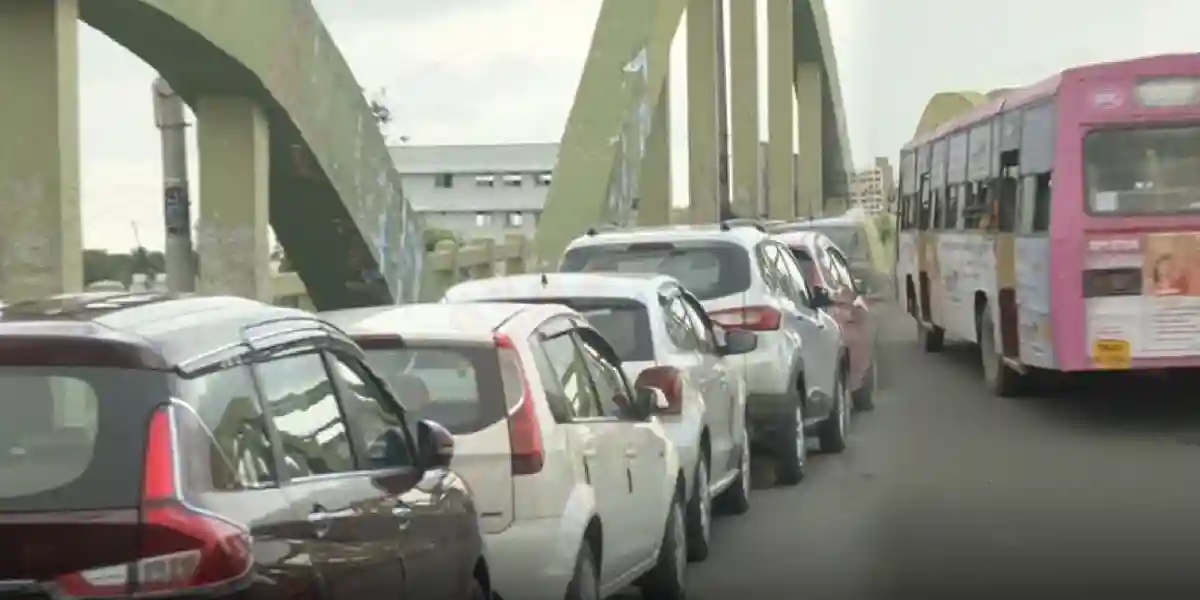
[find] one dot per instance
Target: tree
(433, 235)
(100, 265)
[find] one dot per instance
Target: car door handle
(631, 452)
(588, 451)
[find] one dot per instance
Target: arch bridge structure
(287, 140)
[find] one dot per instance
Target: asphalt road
(1089, 492)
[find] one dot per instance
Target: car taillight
(669, 381)
(180, 549)
(524, 432)
(750, 318)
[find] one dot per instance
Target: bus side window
(1043, 190)
(1007, 194)
(925, 220)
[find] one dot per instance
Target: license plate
(1112, 354)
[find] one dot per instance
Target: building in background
(486, 191)
(873, 189)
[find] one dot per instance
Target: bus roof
(1017, 97)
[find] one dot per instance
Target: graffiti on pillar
(623, 186)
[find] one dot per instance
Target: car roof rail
(602, 228)
(728, 224)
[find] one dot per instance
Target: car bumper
(533, 560)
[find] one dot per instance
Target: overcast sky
(488, 71)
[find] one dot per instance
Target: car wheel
(864, 397)
(835, 430)
(585, 584)
(736, 499)
(667, 580)
(791, 450)
(699, 513)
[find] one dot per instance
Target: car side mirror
(860, 285)
(739, 341)
(435, 445)
(648, 401)
(821, 298)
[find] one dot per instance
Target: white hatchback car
(745, 280)
(579, 491)
(665, 340)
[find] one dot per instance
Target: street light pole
(178, 255)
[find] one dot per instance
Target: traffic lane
(948, 489)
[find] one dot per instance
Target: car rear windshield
(707, 269)
(849, 239)
(460, 386)
(71, 438)
(624, 323)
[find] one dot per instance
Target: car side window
(572, 374)
(841, 270)
(301, 404)
(793, 278)
(679, 328)
(610, 385)
(768, 256)
(562, 407)
(700, 326)
(224, 436)
(375, 419)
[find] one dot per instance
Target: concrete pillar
(703, 155)
(810, 179)
(780, 110)
(655, 205)
(41, 234)
(743, 61)
(233, 139)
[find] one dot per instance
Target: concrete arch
(945, 106)
(619, 116)
(814, 45)
(336, 201)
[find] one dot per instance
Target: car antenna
(545, 280)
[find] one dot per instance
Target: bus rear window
(1143, 171)
(71, 438)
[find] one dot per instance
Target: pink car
(825, 266)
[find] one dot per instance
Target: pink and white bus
(1058, 226)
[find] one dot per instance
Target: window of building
(485, 180)
(443, 181)
(544, 179)
(516, 219)
(512, 180)
(483, 219)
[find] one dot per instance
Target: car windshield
(707, 269)
(1143, 171)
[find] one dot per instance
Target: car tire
(667, 580)
(835, 430)
(585, 583)
(864, 397)
(699, 513)
(791, 451)
(932, 338)
(736, 499)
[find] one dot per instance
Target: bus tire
(1000, 379)
(931, 337)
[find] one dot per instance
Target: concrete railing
(448, 264)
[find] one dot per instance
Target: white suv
(665, 340)
(746, 280)
(579, 491)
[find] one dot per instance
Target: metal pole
(178, 255)
(724, 206)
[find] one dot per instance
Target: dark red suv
(158, 446)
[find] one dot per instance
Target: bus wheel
(1000, 379)
(931, 337)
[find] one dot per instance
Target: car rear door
(358, 523)
(724, 411)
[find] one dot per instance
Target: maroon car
(826, 266)
(187, 447)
